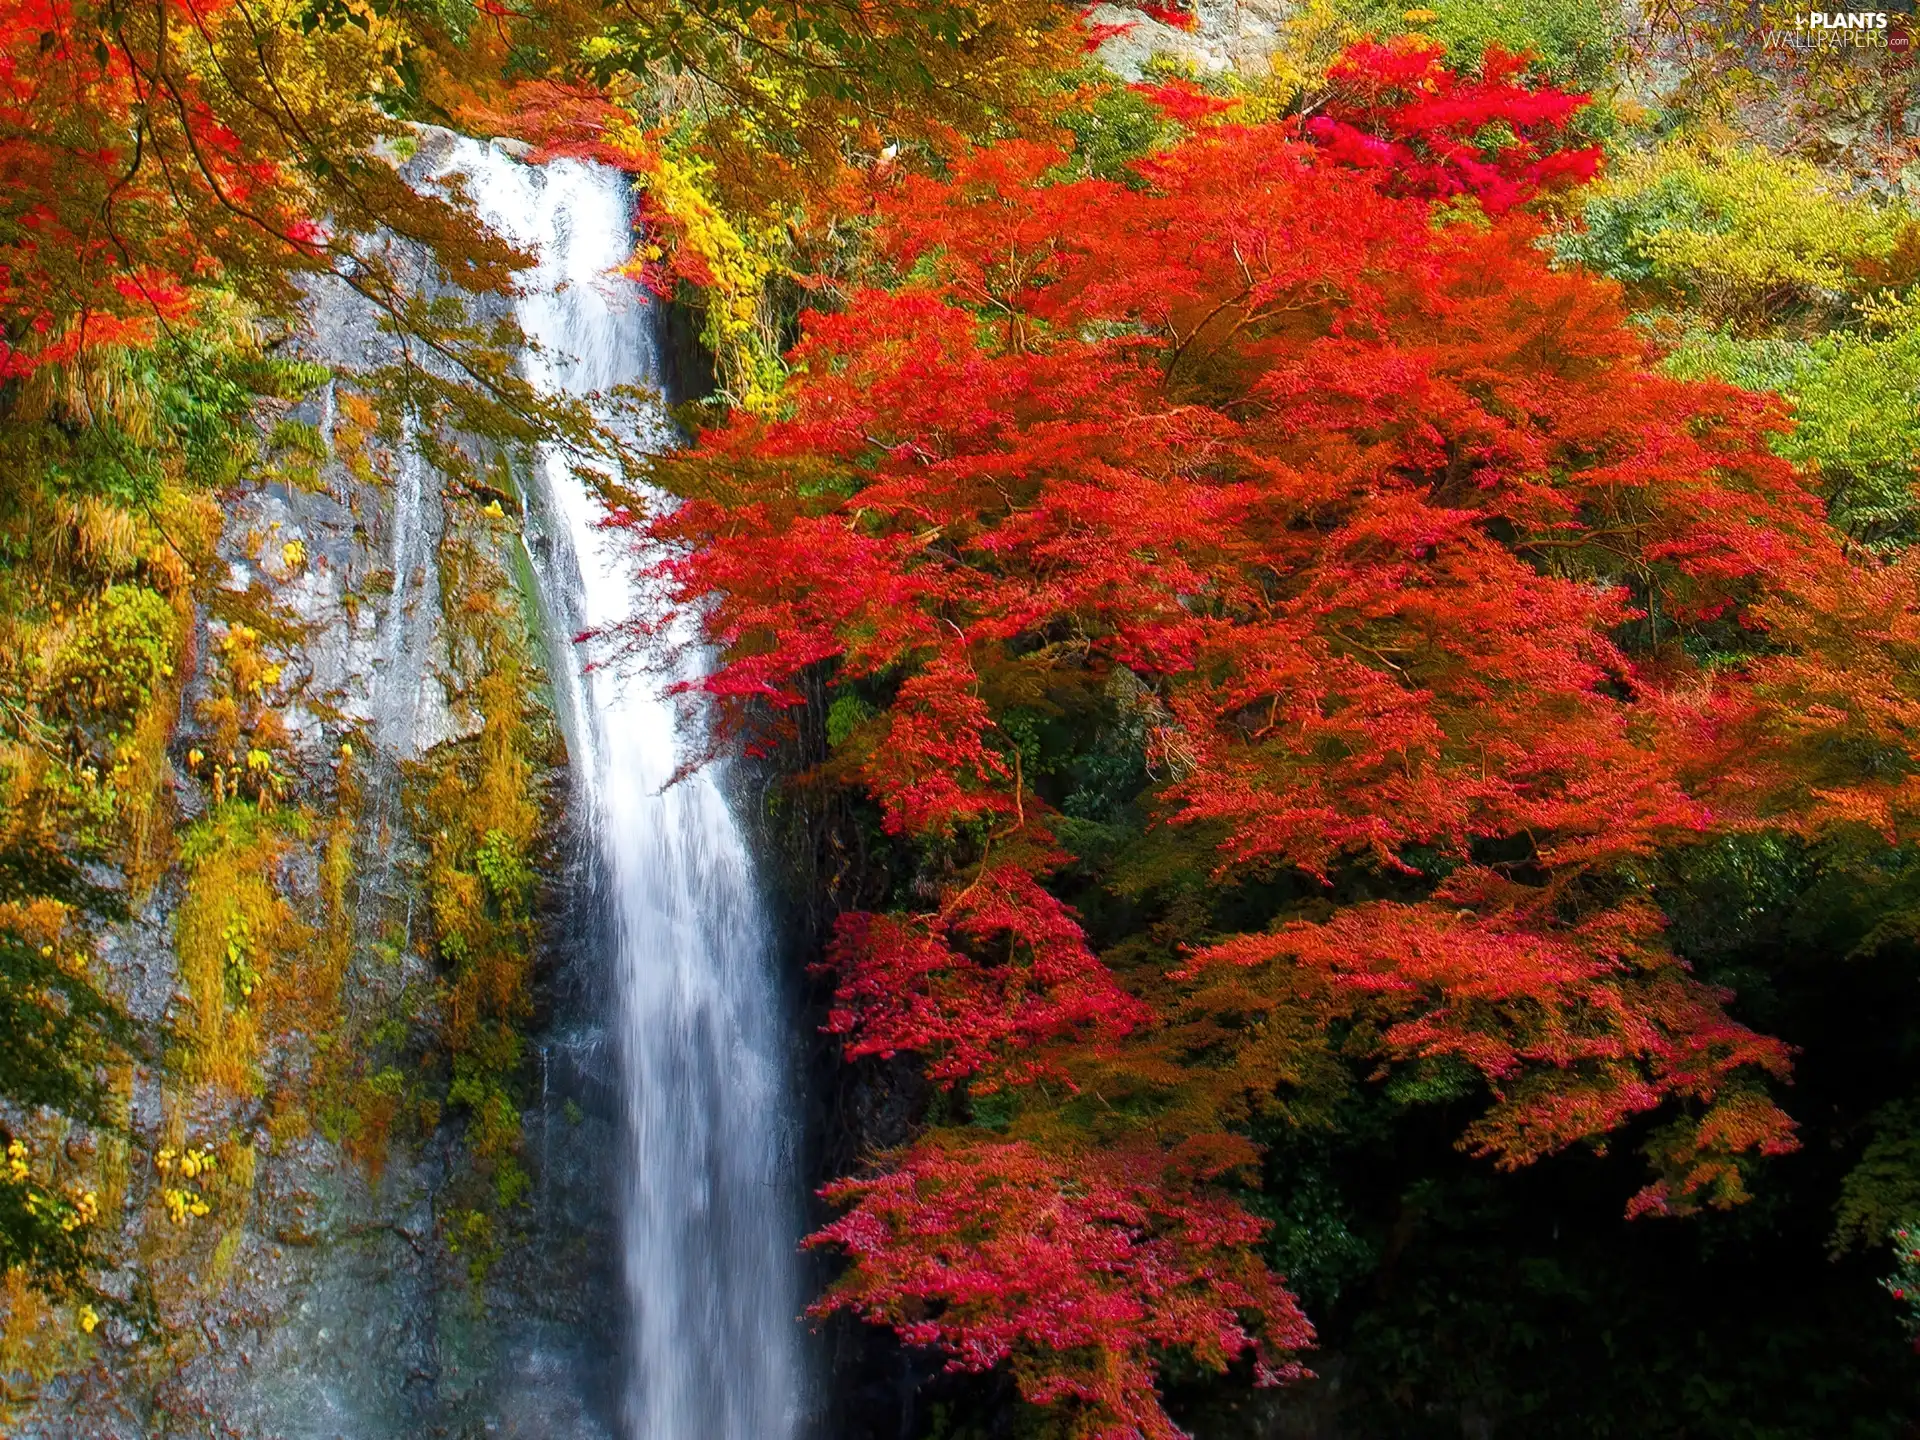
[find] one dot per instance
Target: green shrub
(123, 649)
(1745, 238)
(1572, 41)
(1856, 401)
(104, 461)
(1112, 126)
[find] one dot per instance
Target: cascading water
(710, 1212)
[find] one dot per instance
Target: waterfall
(709, 1211)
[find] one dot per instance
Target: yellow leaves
(293, 555)
(241, 721)
(183, 1205)
(1631, 113)
(1738, 231)
(493, 511)
(733, 263)
(250, 671)
(71, 1212)
(88, 1319)
(1314, 32)
(121, 649)
(1890, 313)
(84, 1210)
(241, 976)
(181, 1202)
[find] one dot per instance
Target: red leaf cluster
(124, 180)
(1097, 33)
(561, 119)
(1399, 109)
(1184, 102)
(1001, 968)
(1399, 536)
(996, 1251)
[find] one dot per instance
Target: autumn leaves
(1456, 614)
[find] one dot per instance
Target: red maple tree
(155, 155)
(1000, 1251)
(1407, 557)
(1398, 107)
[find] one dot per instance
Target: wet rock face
(319, 1300)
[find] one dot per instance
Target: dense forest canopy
(1334, 641)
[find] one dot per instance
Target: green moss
(479, 804)
(502, 865)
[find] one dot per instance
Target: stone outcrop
(1236, 35)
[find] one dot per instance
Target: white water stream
(710, 1212)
